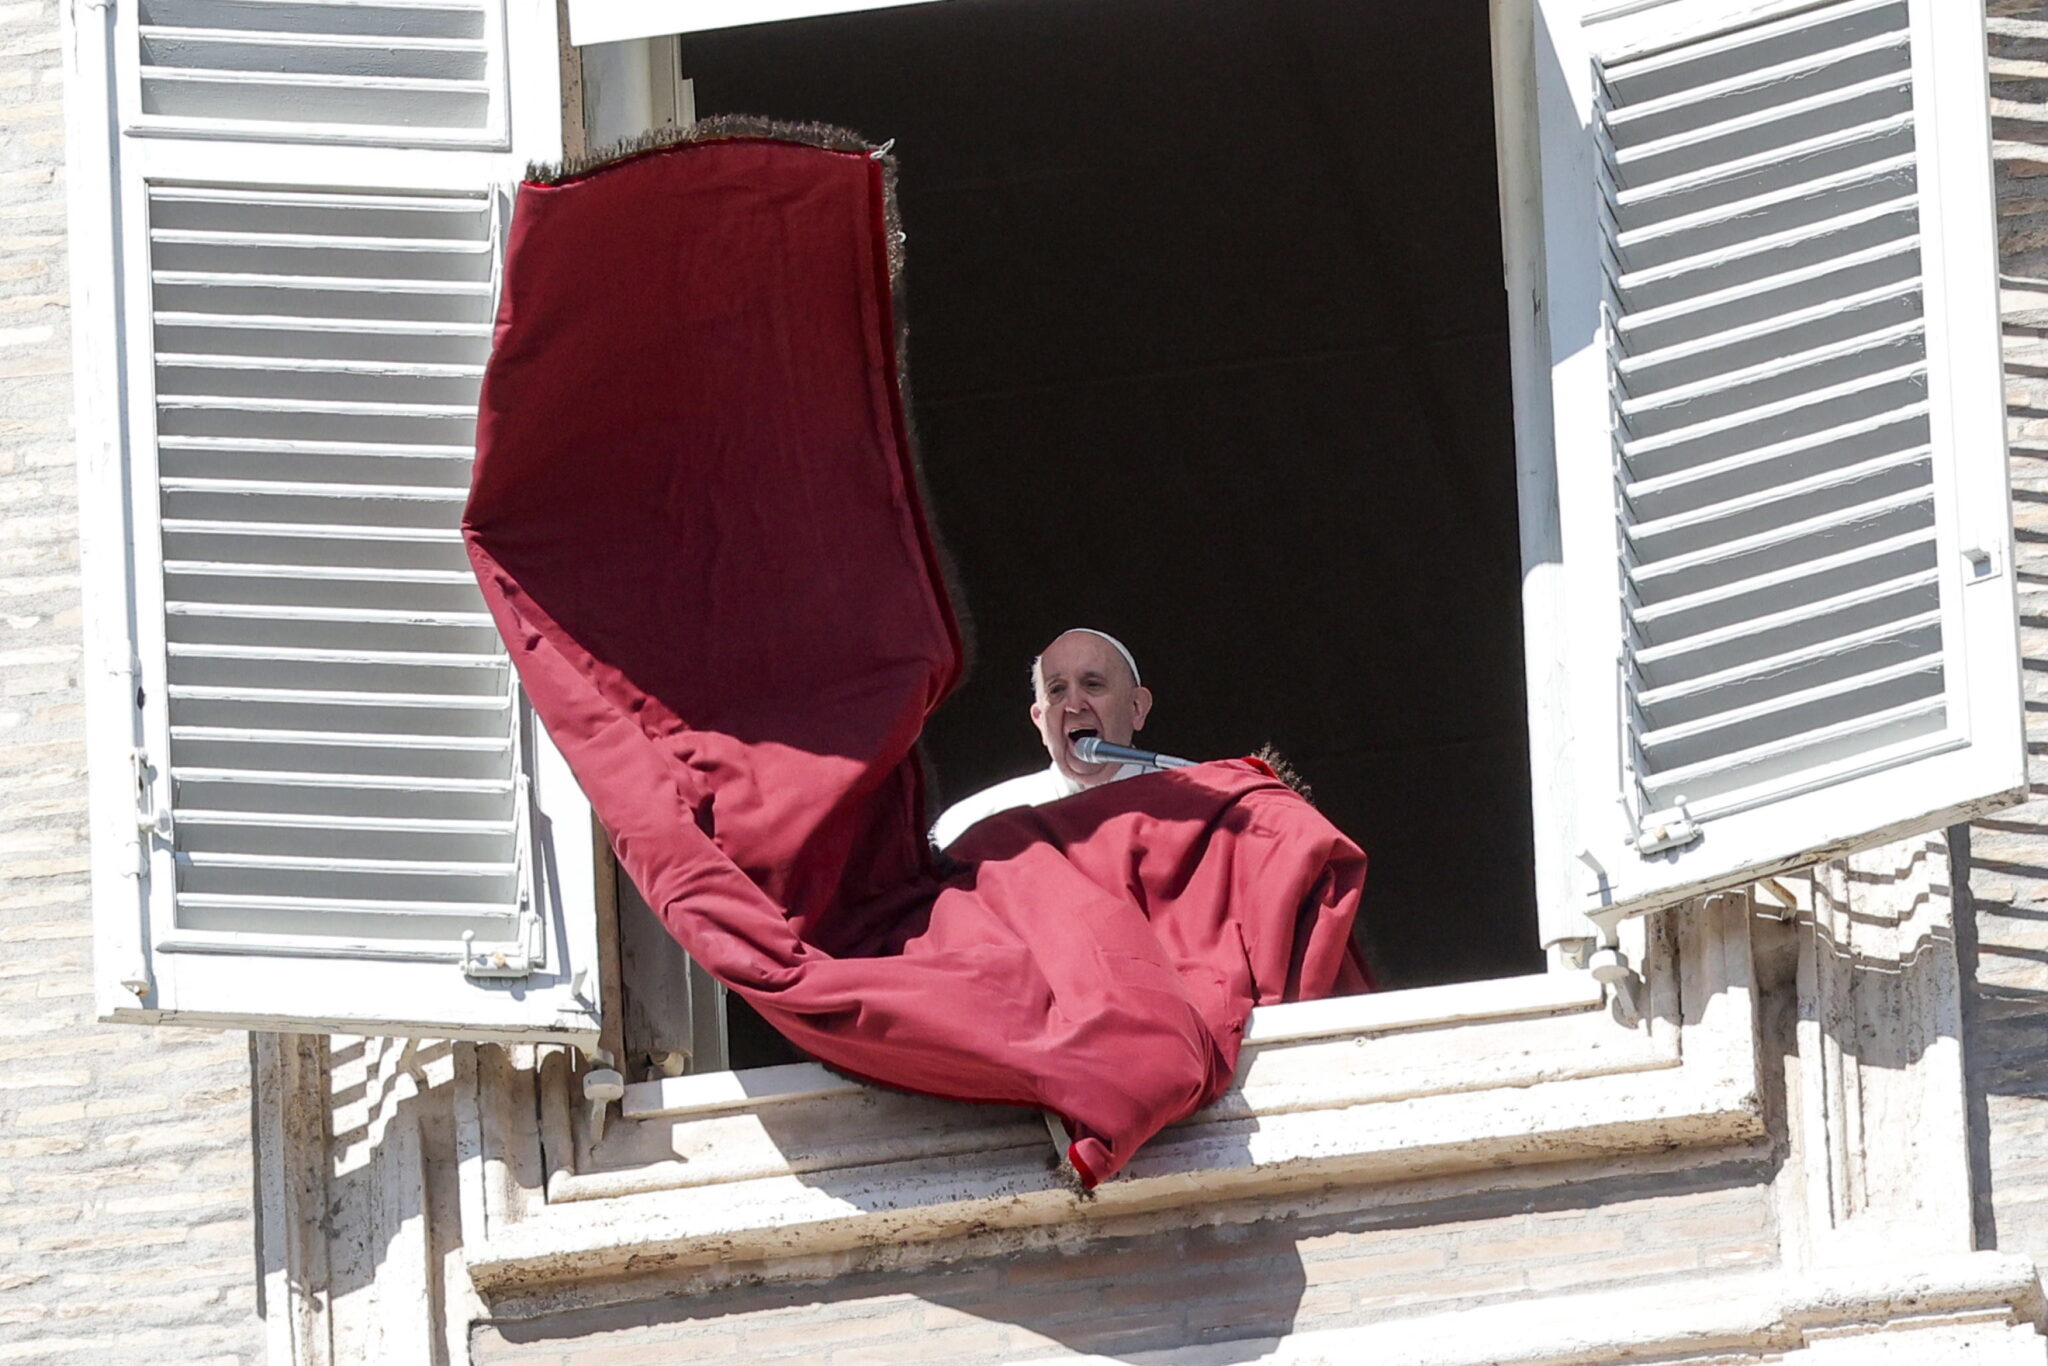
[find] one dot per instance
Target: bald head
(1086, 683)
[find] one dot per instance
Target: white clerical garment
(1033, 789)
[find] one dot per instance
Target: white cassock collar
(1068, 786)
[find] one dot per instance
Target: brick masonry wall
(2005, 920)
(126, 1230)
(1159, 1293)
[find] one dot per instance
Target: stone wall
(1334, 1261)
(125, 1220)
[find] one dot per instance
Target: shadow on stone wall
(357, 1167)
(1232, 1289)
(2002, 863)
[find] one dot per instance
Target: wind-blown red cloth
(697, 526)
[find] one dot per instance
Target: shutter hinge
(150, 822)
(150, 818)
(1670, 828)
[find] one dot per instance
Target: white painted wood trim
(533, 48)
(1958, 212)
(145, 591)
(119, 888)
(367, 997)
(611, 21)
(633, 87)
(1552, 790)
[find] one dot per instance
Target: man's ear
(1141, 706)
(1037, 714)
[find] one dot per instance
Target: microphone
(1093, 749)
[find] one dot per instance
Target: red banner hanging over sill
(696, 521)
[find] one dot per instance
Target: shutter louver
(1777, 423)
(341, 715)
(419, 72)
(1777, 483)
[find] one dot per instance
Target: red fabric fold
(696, 525)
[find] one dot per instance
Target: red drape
(696, 524)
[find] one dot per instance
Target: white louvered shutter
(335, 811)
(1772, 314)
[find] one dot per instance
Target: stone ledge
(934, 1198)
(813, 1174)
(1973, 1309)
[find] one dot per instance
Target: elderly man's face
(1085, 688)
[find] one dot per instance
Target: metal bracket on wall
(150, 819)
(601, 1087)
(1610, 967)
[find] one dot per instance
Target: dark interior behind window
(1209, 349)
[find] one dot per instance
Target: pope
(1085, 683)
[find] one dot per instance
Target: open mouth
(1077, 733)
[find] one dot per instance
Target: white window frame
(1574, 735)
(734, 1160)
(614, 21)
(625, 50)
(791, 1161)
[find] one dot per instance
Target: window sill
(1270, 1026)
(794, 1161)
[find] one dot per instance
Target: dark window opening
(1208, 348)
